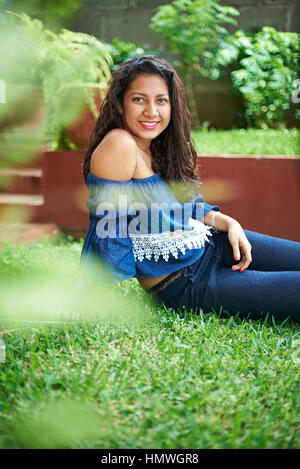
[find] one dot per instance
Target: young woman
(148, 219)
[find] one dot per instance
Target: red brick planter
(261, 192)
(65, 193)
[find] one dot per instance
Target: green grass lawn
(247, 142)
(172, 380)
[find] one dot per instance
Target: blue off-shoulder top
(139, 229)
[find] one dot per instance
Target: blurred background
(239, 61)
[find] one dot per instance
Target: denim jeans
(271, 283)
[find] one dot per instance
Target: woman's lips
(149, 125)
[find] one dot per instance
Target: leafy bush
(68, 67)
(194, 31)
(263, 65)
(121, 51)
(265, 72)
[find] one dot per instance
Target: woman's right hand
(240, 244)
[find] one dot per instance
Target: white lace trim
(168, 242)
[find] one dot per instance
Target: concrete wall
(129, 19)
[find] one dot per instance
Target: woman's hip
(197, 282)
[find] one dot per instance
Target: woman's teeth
(149, 125)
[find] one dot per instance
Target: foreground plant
(68, 67)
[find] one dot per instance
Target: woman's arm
(221, 222)
(236, 236)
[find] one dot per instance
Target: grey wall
(281, 14)
(129, 19)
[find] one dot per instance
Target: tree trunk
(191, 98)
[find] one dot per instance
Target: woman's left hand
(240, 244)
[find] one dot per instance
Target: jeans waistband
(157, 288)
(187, 272)
(163, 281)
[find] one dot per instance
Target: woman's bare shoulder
(115, 157)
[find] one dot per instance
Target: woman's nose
(151, 109)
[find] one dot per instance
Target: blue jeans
(271, 283)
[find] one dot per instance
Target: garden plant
(263, 66)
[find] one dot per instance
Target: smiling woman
(148, 219)
(147, 109)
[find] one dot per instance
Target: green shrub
(263, 65)
(265, 72)
(121, 51)
(194, 31)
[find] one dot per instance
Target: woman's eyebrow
(144, 94)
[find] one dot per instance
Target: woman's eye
(138, 99)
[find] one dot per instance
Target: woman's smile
(149, 125)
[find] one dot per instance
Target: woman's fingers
(236, 251)
(246, 259)
(240, 246)
(241, 265)
(246, 264)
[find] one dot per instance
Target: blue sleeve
(201, 208)
(107, 241)
(113, 259)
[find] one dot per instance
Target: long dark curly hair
(173, 152)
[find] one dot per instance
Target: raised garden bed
(261, 192)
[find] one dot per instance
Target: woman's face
(146, 108)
